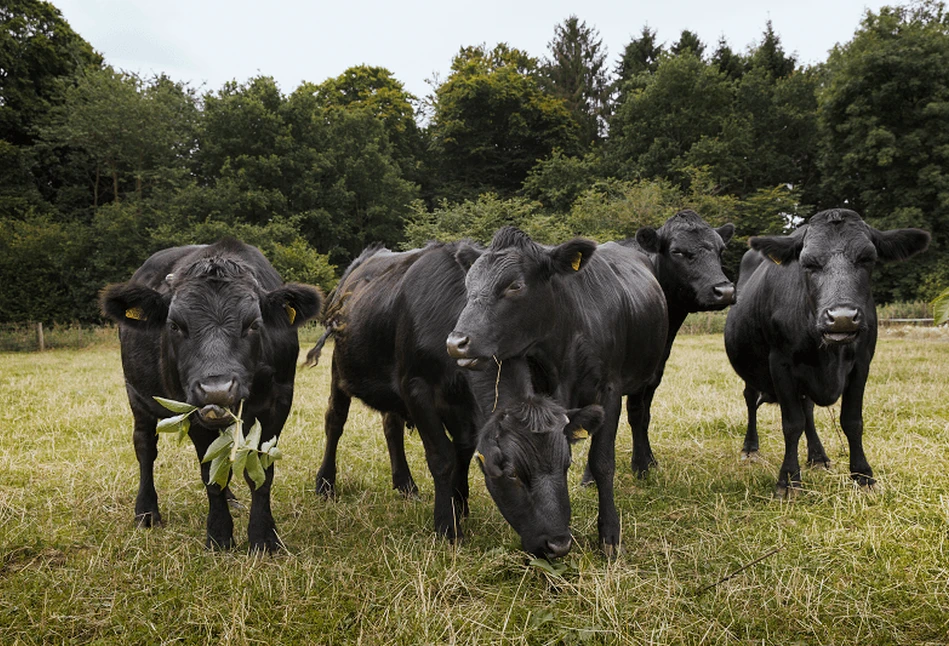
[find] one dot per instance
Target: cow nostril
(843, 318)
(557, 547)
(457, 344)
(725, 293)
(218, 391)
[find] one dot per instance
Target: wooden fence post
(40, 341)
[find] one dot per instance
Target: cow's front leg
(602, 461)
(816, 455)
(749, 450)
(851, 421)
(145, 440)
(220, 526)
(261, 529)
(792, 424)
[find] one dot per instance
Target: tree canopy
(100, 167)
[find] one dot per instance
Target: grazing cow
(524, 452)
(591, 320)
(804, 329)
(212, 326)
(686, 257)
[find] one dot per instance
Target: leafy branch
(231, 452)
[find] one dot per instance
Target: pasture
(708, 556)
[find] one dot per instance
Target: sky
(206, 43)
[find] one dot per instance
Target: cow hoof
(611, 551)
(866, 483)
(325, 488)
(819, 463)
(587, 481)
(148, 519)
(408, 490)
(750, 456)
(220, 543)
(784, 492)
(267, 546)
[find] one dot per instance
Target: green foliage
(940, 307)
(492, 122)
(884, 141)
(231, 453)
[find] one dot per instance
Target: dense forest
(99, 167)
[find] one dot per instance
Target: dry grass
(366, 569)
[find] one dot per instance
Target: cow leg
(816, 455)
(638, 407)
(749, 450)
(440, 455)
(851, 420)
(792, 423)
(337, 410)
(394, 427)
(463, 435)
(145, 440)
(261, 528)
(602, 462)
(220, 526)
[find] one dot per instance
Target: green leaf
(941, 308)
(253, 438)
(553, 569)
(235, 430)
(237, 466)
(220, 469)
(171, 424)
(183, 428)
(255, 470)
(176, 407)
(220, 446)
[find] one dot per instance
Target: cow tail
(313, 356)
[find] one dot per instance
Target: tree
(576, 73)
(689, 42)
(884, 142)
(655, 127)
(492, 122)
(640, 58)
(40, 55)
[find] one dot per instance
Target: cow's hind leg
(394, 427)
(440, 455)
(638, 413)
(337, 410)
(145, 440)
(749, 450)
(602, 462)
(816, 455)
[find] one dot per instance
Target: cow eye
(514, 288)
(682, 253)
(174, 327)
(253, 327)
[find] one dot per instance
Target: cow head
(836, 252)
(687, 254)
(215, 321)
(510, 297)
(524, 452)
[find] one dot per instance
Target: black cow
(592, 320)
(686, 258)
(524, 452)
(212, 326)
(804, 329)
(390, 315)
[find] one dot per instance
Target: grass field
(837, 566)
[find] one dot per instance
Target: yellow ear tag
(291, 313)
(135, 313)
(479, 456)
(576, 261)
(774, 260)
(580, 434)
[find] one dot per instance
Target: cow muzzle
(458, 346)
(218, 396)
(840, 325)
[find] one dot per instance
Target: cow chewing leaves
(232, 452)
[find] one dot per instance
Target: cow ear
(582, 422)
(134, 305)
(726, 231)
(466, 255)
(899, 244)
(571, 256)
(490, 458)
(291, 305)
(648, 239)
(779, 249)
